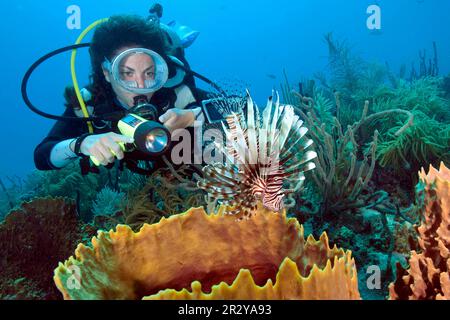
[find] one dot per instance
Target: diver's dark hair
(120, 31)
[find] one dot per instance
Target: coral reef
(35, 237)
(343, 169)
(445, 86)
(346, 68)
(339, 176)
(66, 182)
(427, 67)
(108, 202)
(429, 274)
(240, 260)
(372, 131)
(372, 217)
(426, 141)
(166, 192)
(425, 95)
(14, 191)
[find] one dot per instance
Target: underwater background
(322, 49)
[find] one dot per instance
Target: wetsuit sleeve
(62, 130)
(201, 95)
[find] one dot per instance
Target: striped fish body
(262, 156)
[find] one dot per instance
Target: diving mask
(138, 70)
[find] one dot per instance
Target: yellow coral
(218, 257)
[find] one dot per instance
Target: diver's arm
(44, 157)
(63, 153)
(54, 153)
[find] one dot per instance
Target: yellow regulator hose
(74, 75)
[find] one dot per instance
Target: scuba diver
(141, 85)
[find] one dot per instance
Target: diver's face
(137, 68)
(134, 70)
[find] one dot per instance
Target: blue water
(250, 41)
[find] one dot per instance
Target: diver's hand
(177, 119)
(104, 147)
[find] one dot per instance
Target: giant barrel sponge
(428, 276)
(194, 255)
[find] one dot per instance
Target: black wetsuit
(164, 99)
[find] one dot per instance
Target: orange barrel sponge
(429, 274)
(194, 255)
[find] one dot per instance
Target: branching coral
(219, 257)
(428, 67)
(355, 79)
(343, 170)
(339, 176)
(429, 274)
(141, 208)
(345, 67)
(405, 151)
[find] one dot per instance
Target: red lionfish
(263, 152)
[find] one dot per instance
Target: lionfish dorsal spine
(273, 126)
(263, 133)
(286, 125)
(251, 131)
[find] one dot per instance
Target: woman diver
(134, 64)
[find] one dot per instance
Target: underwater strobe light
(149, 136)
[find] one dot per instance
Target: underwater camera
(141, 124)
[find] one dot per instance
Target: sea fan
(265, 158)
(108, 202)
